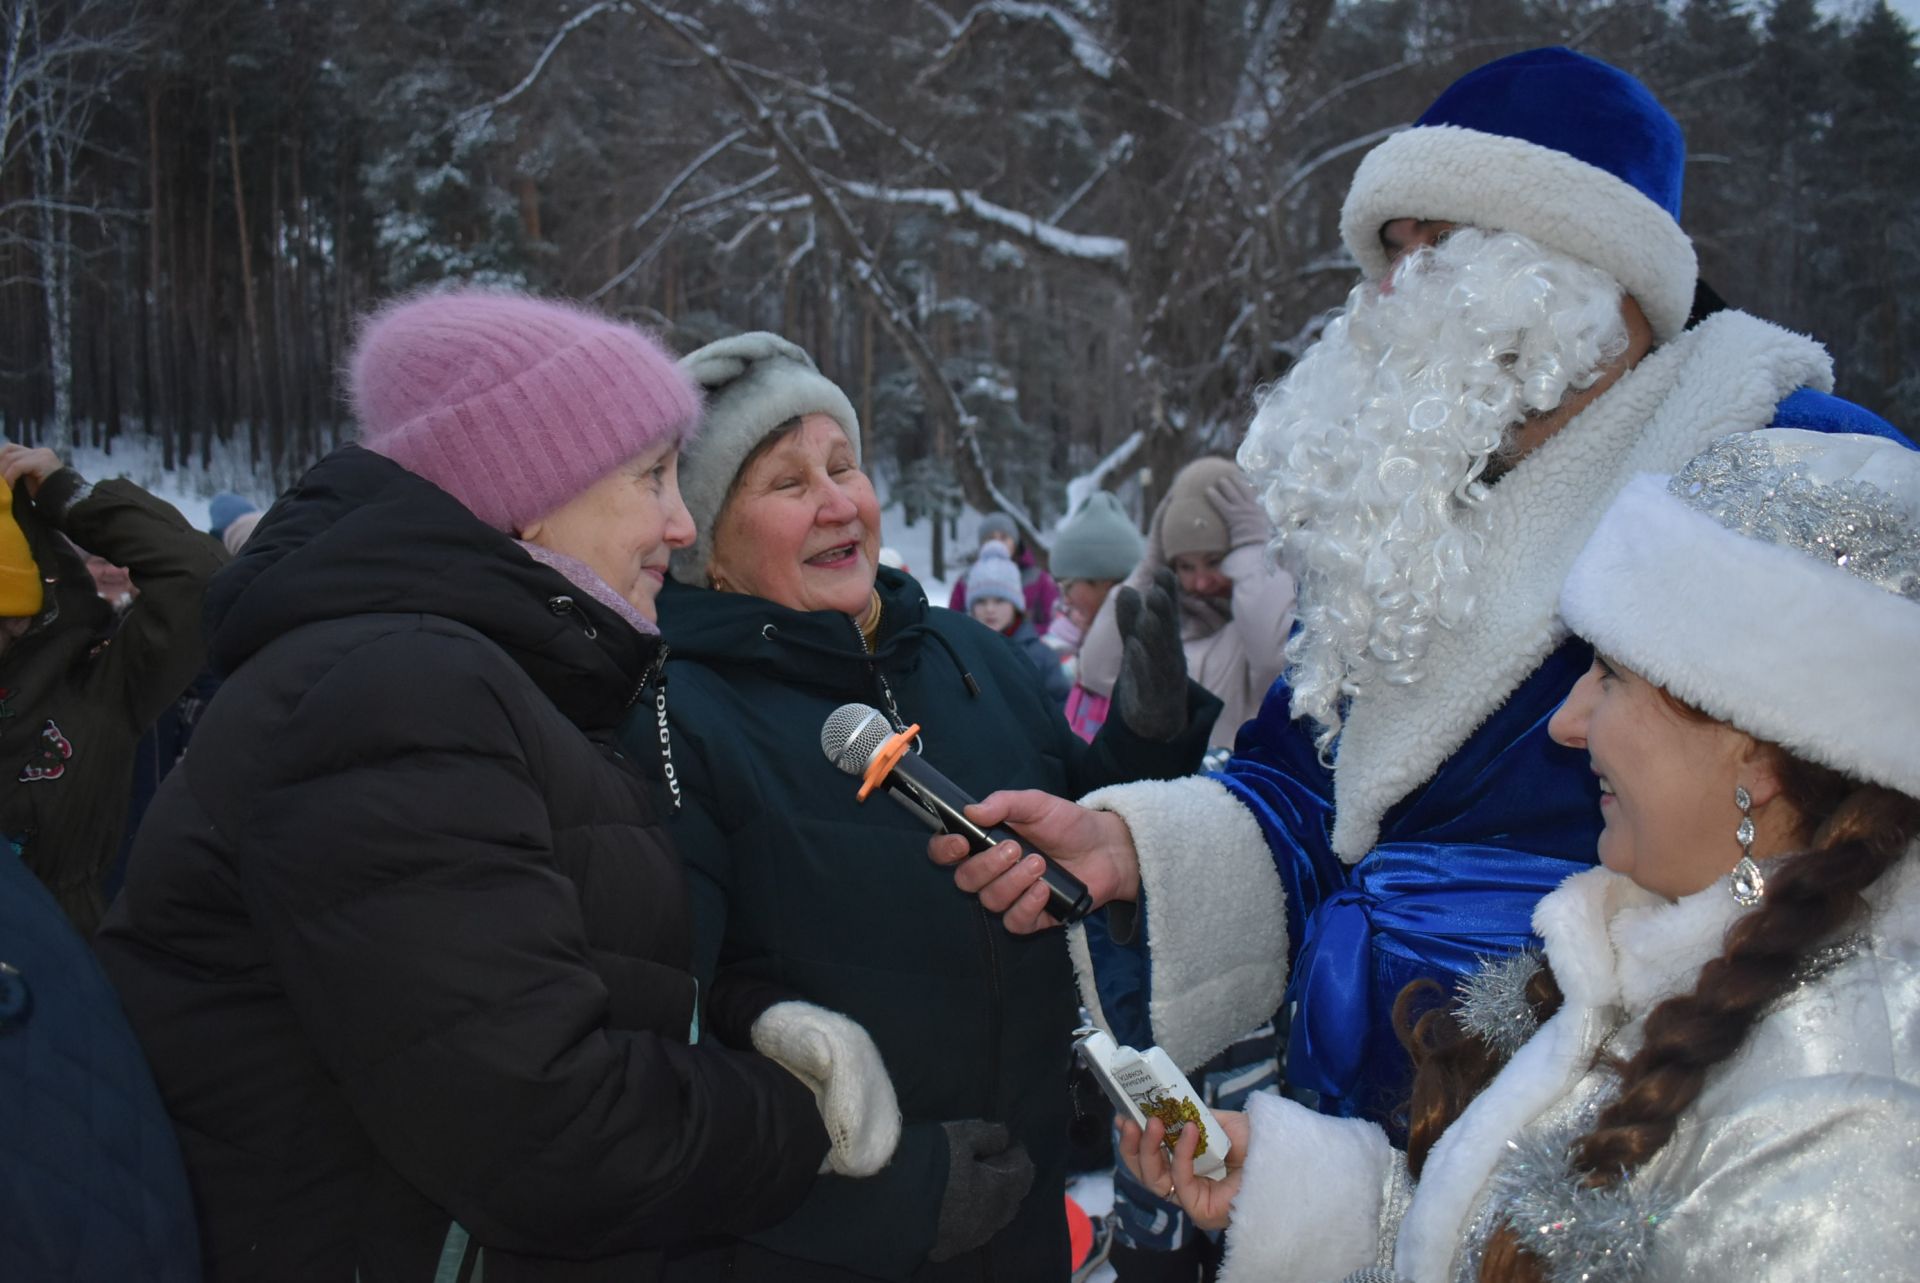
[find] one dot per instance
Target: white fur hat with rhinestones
(1773, 583)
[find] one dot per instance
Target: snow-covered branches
(1089, 53)
(1109, 252)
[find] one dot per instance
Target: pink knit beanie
(512, 405)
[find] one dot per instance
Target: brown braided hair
(1859, 832)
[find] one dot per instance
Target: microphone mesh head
(853, 733)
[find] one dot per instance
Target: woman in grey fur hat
(778, 615)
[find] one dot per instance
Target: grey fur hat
(1099, 541)
(753, 383)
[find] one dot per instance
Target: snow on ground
(189, 489)
(1094, 1192)
(915, 545)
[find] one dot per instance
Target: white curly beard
(1370, 453)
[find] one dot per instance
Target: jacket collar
(360, 535)
(816, 648)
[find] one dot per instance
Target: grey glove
(987, 1177)
(1237, 505)
(1151, 693)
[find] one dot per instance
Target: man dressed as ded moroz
(1519, 348)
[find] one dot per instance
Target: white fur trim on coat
(1830, 1053)
(1216, 916)
(1539, 1075)
(1501, 184)
(1725, 375)
(1312, 1196)
(1763, 636)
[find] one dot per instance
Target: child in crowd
(1037, 589)
(1093, 550)
(995, 598)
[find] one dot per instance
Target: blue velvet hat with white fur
(1556, 146)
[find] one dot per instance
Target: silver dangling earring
(1747, 885)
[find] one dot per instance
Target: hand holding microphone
(858, 739)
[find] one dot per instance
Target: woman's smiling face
(1667, 779)
(802, 525)
(625, 526)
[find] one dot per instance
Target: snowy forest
(1045, 246)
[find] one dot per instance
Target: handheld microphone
(858, 739)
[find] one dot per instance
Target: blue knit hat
(224, 507)
(995, 575)
(1556, 146)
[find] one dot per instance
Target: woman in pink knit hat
(405, 940)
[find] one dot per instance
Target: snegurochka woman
(1714, 1070)
(779, 616)
(406, 942)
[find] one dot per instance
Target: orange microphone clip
(885, 758)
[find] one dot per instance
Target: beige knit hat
(1191, 523)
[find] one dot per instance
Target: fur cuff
(1311, 1201)
(1216, 915)
(1510, 185)
(837, 1059)
(1742, 629)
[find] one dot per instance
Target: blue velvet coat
(1453, 876)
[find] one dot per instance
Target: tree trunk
(153, 346)
(252, 311)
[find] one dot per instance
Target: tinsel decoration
(1491, 1003)
(1580, 1235)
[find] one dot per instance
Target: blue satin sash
(1436, 910)
(1459, 866)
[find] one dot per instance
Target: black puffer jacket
(402, 938)
(798, 884)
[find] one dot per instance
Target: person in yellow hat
(20, 594)
(77, 687)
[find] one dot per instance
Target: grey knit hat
(998, 525)
(753, 384)
(1099, 541)
(995, 575)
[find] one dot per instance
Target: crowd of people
(1499, 785)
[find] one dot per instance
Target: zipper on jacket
(996, 1015)
(996, 998)
(656, 677)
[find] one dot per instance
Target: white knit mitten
(837, 1059)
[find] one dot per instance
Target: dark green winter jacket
(799, 885)
(77, 692)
